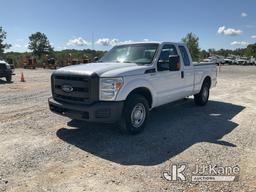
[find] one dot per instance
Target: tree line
(197, 54)
(39, 45)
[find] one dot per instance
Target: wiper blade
(128, 62)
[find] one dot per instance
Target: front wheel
(135, 114)
(202, 97)
(9, 78)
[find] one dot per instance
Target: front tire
(202, 97)
(135, 115)
(9, 78)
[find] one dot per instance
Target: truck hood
(104, 69)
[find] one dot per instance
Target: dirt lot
(41, 151)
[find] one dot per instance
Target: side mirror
(174, 62)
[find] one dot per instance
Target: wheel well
(144, 92)
(208, 80)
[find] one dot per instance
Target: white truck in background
(243, 61)
(229, 60)
(128, 81)
(215, 59)
(252, 60)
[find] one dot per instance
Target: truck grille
(84, 88)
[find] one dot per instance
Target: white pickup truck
(128, 81)
(215, 59)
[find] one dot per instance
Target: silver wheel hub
(138, 115)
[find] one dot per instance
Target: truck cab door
(187, 70)
(168, 85)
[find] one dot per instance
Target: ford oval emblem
(67, 88)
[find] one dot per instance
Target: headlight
(109, 88)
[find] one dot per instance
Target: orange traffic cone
(22, 78)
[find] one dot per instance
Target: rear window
(184, 55)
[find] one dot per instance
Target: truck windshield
(132, 53)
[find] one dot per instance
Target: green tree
(211, 51)
(203, 54)
(251, 50)
(192, 42)
(3, 45)
(39, 44)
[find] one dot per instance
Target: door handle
(182, 74)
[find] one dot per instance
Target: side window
(167, 50)
(163, 62)
(184, 55)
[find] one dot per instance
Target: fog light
(102, 113)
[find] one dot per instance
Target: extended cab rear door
(187, 71)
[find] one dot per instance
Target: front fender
(133, 84)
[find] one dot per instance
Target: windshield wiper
(128, 62)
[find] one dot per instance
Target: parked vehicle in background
(6, 71)
(220, 59)
(11, 63)
(215, 59)
(50, 63)
(211, 60)
(235, 60)
(29, 63)
(242, 61)
(252, 60)
(229, 60)
(129, 81)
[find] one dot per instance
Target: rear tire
(202, 97)
(135, 115)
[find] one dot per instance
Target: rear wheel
(202, 97)
(135, 115)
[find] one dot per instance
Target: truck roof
(146, 42)
(2, 62)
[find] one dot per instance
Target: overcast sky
(101, 24)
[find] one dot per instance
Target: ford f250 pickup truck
(129, 81)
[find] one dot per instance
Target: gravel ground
(41, 151)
